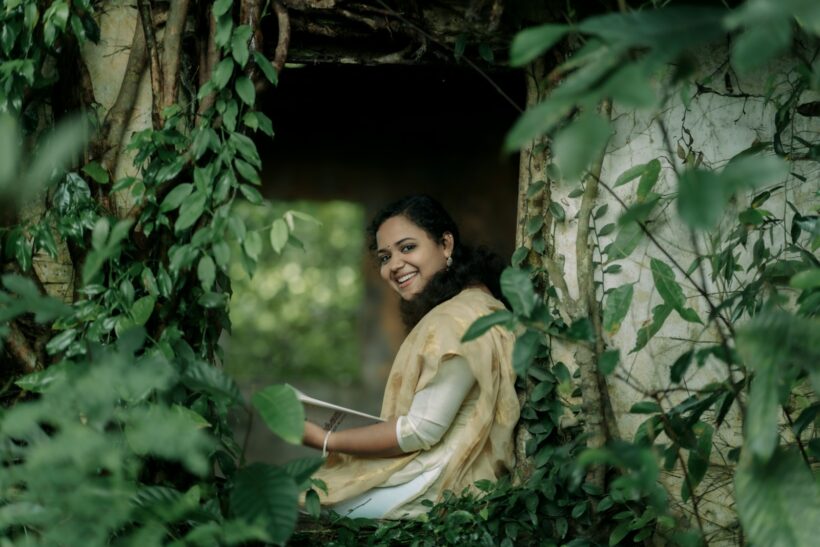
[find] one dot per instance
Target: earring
(449, 262)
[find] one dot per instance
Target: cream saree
(479, 443)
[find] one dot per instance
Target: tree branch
(21, 350)
(116, 121)
(171, 50)
(283, 42)
(210, 59)
(156, 67)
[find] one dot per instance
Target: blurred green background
(297, 318)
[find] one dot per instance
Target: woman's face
(408, 257)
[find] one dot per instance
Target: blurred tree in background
(298, 316)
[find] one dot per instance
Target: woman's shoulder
(467, 306)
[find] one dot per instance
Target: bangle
(324, 444)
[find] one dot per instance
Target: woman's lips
(407, 280)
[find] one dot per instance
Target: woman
(449, 407)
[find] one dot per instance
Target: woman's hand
(314, 435)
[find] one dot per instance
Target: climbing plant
(115, 250)
(730, 412)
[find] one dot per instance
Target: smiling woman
(449, 407)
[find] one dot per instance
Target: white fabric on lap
(434, 407)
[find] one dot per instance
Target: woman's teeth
(405, 278)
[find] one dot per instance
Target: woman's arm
(378, 440)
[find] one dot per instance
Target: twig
(171, 50)
(467, 60)
(283, 41)
(797, 438)
(21, 349)
(156, 68)
(117, 119)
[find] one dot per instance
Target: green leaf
(245, 90)
(557, 211)
(670, 290)
(239, 44)
(806, 280)
(778, 502)
(203, 377)
(517, 288)
(190, 211)
(760, 44)
(483, 324)
(251, 194)
(206, 272)
(312, 504)
(518, 256)
(577, 145)
(278, 235)
(698, 460)
(266, 67)
(247, 171)
(96, 172)
(280, 408)
(627, 240)
(680, 366)
(617, 305)
(142, 309)
(246, 147)
(39, 382)
(648, 179)
(701, 199)
(266, 494)
(645, 407)
(536, 121)
(302, 469)
(61, 341)
(253, 245)
(608, 361)
(222, 254)
(532, 42)
(646, 332)
(175, 197)
(221, 7)
(222, 72)
(524, 351)
(630, 174)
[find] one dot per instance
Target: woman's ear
(448, 242)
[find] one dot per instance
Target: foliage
(756, 354)
(119, 431)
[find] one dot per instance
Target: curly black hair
(471, 266)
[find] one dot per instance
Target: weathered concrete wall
(717, 125)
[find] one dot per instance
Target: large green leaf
(191, 210)
(778, 502)
(532, 42)
(266, 495)
(278, 235)
(483, 324)
(760, 44)
(536, 121)
(517, 288)
(627, 240)
(650, 329)
(775, 345)
(701, 199)
(579, 144)
(282, 411)
(667, 30)
(201, 376)
(617, 305)
(524, 351)
(302, 469)
(670, 290)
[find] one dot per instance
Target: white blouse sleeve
(434, 407)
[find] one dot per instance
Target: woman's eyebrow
(399, 242)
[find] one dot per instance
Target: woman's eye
(383, 259)
(407, 248)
